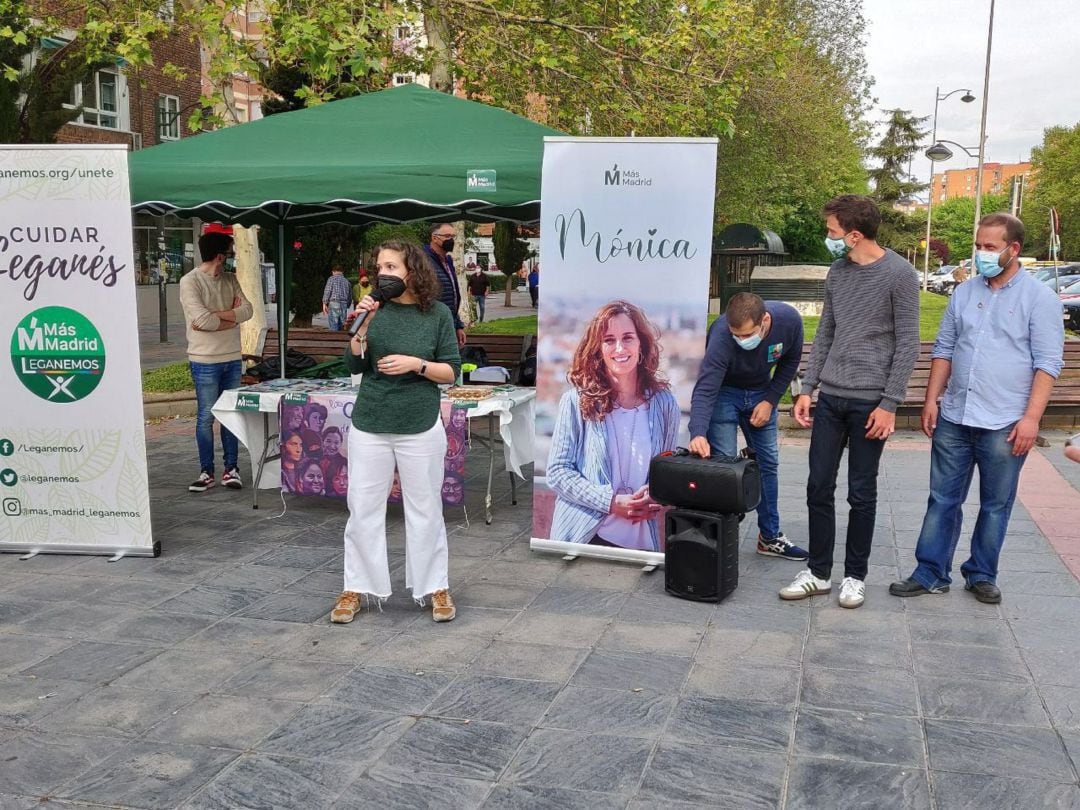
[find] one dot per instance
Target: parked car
(1044, 273)
(941, 281)
(1061, 282)
(1070, 291)
(1071, 313)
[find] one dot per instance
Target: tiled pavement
(210, 677)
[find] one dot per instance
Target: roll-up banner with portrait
(72, 443)
(625, 245)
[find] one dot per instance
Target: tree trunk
(511, 282)
(439, 38)
(249, 274)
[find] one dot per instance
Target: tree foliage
(510, 252)
(892, 182)
(32, 98)
(954, 221)
(1056, 163)
(780, 82)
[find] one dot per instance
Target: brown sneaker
(442, 606)
(346, 607)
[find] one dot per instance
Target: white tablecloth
(515, 410)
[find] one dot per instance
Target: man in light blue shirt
(1000, 348)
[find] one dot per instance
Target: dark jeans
(840, 423)
(534, 294)
(481, 301)
(957, 451)
(732, 413)
(211, 380)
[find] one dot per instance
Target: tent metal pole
(282, 298)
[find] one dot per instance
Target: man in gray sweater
(862, 357)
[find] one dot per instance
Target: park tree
(954, 222)
(1056, 163)
(510, 252)
(36, 84)
(892, 181)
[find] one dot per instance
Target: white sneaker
(852, 592)
(805, 584)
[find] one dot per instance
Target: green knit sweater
(402, 403)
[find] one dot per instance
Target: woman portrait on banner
(309, 477)
(331, 446)
(404, 348)
(292, 453)
(336, 476)
(617, 415)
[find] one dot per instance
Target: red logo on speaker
(693, 485)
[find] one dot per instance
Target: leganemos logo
(626, 178)
(58, 354)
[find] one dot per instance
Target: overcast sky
(915, 45)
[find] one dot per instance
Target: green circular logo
(58, 354)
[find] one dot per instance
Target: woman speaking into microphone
(404, 347)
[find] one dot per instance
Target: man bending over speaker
(751, 357)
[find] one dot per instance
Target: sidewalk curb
(175, 403)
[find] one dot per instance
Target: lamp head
(967, 98)
(938, 151)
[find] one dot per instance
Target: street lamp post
(967, 98)
(982, 136)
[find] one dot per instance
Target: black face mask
(448, 245)
(389, 287)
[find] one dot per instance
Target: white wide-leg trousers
(419, 458)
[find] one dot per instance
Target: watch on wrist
(423, 368)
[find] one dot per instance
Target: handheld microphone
(390, 287)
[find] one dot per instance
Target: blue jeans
(481, 302)
(335, 315)
(211, 379)
(731, 412)
(957, 450)
(838, 423)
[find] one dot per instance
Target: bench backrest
(502, 350)
(1066, 391)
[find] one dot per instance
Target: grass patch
(517, 325)
(931, 309)
(168, 379)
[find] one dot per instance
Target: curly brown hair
(588, 374)
(421, 280)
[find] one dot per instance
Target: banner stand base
(651, 560)
(116, 552)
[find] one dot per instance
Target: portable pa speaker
(715, 484)
(701, 557)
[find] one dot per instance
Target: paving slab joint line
(790, 760)
(1042, 702)
(675, 705)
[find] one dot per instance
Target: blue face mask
(837, 248)
(748, 343)
(988, 263)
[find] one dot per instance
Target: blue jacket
(449, 291)
(579, 465)
(770, 367)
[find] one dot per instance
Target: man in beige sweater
(214, 305)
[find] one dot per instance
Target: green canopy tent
(398, 155)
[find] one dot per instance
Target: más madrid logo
(58, 354)
(626, 178)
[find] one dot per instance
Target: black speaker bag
(715, 484)
(701, 556)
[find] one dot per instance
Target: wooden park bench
(508, 351)
(1063, 409)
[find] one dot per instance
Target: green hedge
(168, 379)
